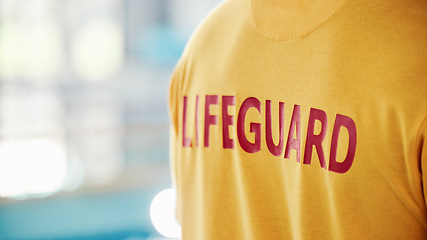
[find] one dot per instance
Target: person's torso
(310, 138)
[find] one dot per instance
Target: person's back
(302, 121)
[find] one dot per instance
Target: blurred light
(9, 41)
(97, 50)
(42, 52)
(31, 167)
(75, 175)
(31, 51)
(162, 212)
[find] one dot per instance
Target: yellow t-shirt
(303, 120)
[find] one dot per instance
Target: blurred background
(83, 114)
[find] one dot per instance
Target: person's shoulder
(404, 23)
(410, 25)
(407, 33)
(409, 18)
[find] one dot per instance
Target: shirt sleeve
(422, 153)
(174, 105)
